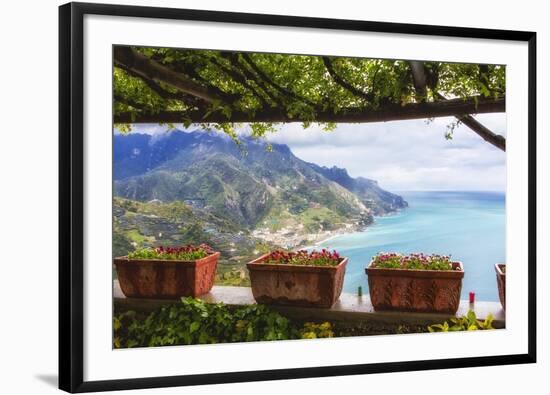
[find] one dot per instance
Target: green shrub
(195, 322)
(311, 330)
(467, 322)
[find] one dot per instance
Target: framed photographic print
(251, 197)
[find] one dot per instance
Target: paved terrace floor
(349, 307)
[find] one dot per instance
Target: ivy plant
(194, 321)
(468, 322)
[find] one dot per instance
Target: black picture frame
(71, 204)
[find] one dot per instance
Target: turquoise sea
(469, 226)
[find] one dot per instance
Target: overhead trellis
(220, 89)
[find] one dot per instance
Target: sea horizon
(467, 225)
(400, 191)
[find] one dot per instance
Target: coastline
(347, 231)
(288, 238)
(318, 243)
(477, 237)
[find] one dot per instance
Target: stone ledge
(349, 308)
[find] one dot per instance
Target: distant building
(369, 203)
(195, 202)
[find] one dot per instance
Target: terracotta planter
(431, 291)
(296, 285)
(500, 269)
(166, 279)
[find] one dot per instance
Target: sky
(401, 155)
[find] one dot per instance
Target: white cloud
(400, 155)
(406, 155)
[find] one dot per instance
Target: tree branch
(132, 103)
(389, 112)
(189, 70)
(279, 88)
(420, 83)
(249, 76)
(148, 68)
(163, 93)
(258, 80)
(485, 133)
(238, 77)
(344, 84)
(419, 79)
(496, 139)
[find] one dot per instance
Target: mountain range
(258, 189)
(245, 182)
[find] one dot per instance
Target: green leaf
(472, 319)
(131, 343)
(194, 327)
(116, 324)
(306, 86)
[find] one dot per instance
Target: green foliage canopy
(218, 89)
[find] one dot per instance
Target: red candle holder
(472, 297)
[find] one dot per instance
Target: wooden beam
(486, 134)
(391, 112)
